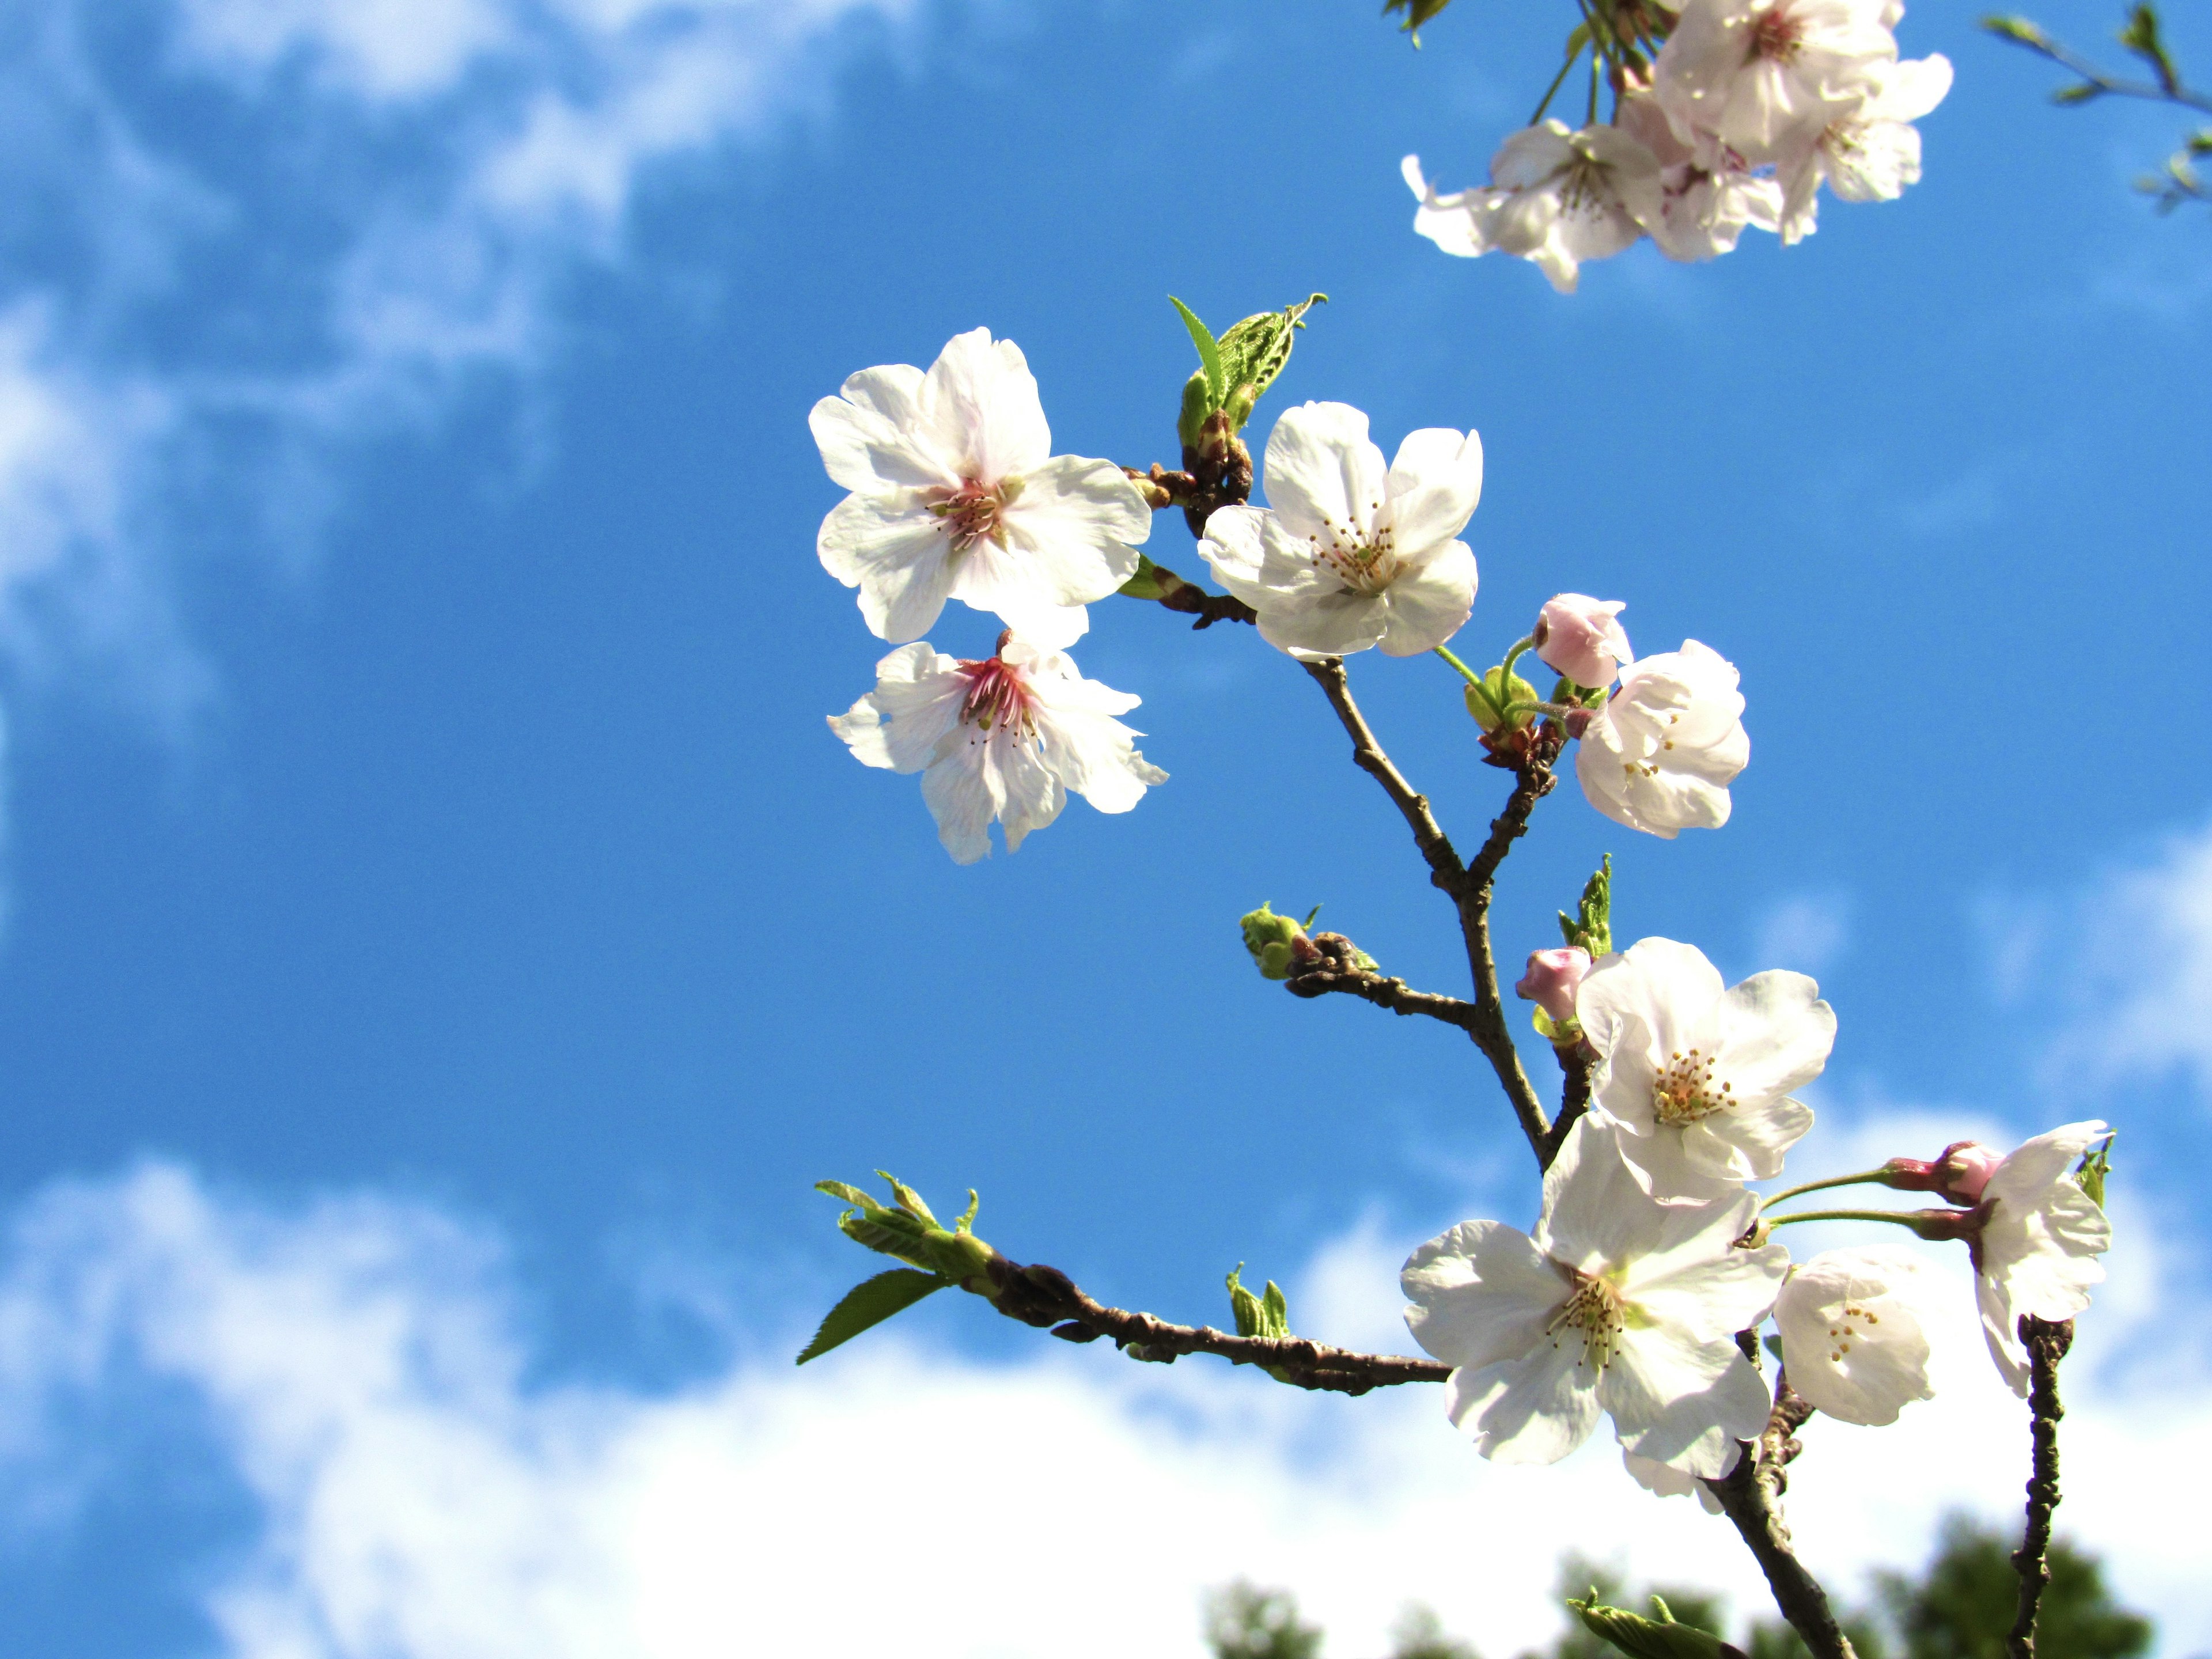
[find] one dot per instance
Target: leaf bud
(1278, 944)
(1490, 701)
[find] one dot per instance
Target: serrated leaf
(1209, 351)
(1255, 351)
(869, 1303)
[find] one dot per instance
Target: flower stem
(1466, 673)
(1900, 1218)
(1505, 669)
(1788, 1192)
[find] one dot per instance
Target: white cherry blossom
(1005, 738)
(1667, 1482)
(1660, 755)
(1557, 198)
(1697, 1074)
(1852, 1341)
(2038, 1239)
(1708, 193)
(1765, 76)
(957, 494)
(1348, 553)
(1616, 1306)
(1870, 154)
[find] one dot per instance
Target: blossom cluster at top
(956, 496)
(1649, 1256)
(1747, 109)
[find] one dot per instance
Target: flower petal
(896, 554)
(1424, 607)
(1434, 487)
(1535, 1409)
(1322, 470)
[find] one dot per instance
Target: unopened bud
(1552, 980)
(1959, 1174)
(1278, 944)
(1489, 701)
(1581, 638)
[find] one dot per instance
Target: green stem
(1788, 1192)
(1520, 647)
(1553, 91)
(1466, 673)
(1900, 1218)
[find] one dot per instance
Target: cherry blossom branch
(1575, 1064)
(1192, 600)
(1041, 1295)
(1468, 886)
(2046, 1344)
(1371, 987)
(1750, 1495)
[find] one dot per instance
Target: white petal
(1776, 1036)
(1322, 470)
(872, 437)
(1596, 1217)
(919, 691)
(1424, 607)
(1667, 1482)
(1532, 1410)
(1324, 625)
(1480, 1294)
(896, 554)
(1851, 1335)
(1232, 547)
(965, 792)
(1434, 487)
(1679, 1400)
(982, 403)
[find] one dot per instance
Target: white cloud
(394, 193)
(2135, 950)
(419, 1497)
(1807, 932)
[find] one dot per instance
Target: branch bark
(1750, 1495)
(2046, 1344)
(1041, 1295)
(1392, 994)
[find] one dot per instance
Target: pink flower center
(1685, 1092)
(1777, 36)
(997, 696)
(972, 511)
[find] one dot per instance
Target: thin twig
(1038, 1295)
(2046, 1344)
(1574, 1063)
(1445, 869)
(1392, 994)
(1750, 1495)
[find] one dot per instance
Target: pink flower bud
(1552, 979)
(1964, 1170)
(1959, 1174)
(1581, 638)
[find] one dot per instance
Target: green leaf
(2096, 1164)
(1417, 12)
(870, 1303)
(2017, 29)
(1255, 351)
(1145, 583)
(1648, 1639)
(1591, 926)
(2080, 93)
(2141, 37)
(1209, 352)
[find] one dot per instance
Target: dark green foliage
(1245, 1622)
(1961, 1608)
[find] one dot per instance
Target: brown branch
(1392, 994)
(1038, 1295)
(1574, 1062)
(2046, 1344)
(1445, 871)
(1750, 1495)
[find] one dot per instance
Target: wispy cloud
(357, 1369)
(241, 234)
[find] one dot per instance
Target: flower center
(996, 696)
(1685, 1093)
(973, 511)
(1777, 37)
(1364, 563)
(1851, 1325)
(1595, 1310)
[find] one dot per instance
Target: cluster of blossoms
(955, 495)
(1651, 1255)
(1748, 107)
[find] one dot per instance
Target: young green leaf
(1209, 351)
(870, 1303)
(1255, 351)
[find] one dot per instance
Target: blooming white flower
(1659, 755)
(1581, 638)
(1698, 1075)
(1557, 198)
(1852, 1342)
(1765, 76)
(1872, 154)
(1667, 1482)
(1708, 192)
(1005, 738)
(957, 494)
(2038, 1239)
(1348, 554)
(1616, 1305)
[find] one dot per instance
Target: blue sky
(425, 858)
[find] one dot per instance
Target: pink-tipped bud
(1552, 980)
(1959, 1174)
(1578, 722)
(1581, 638)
